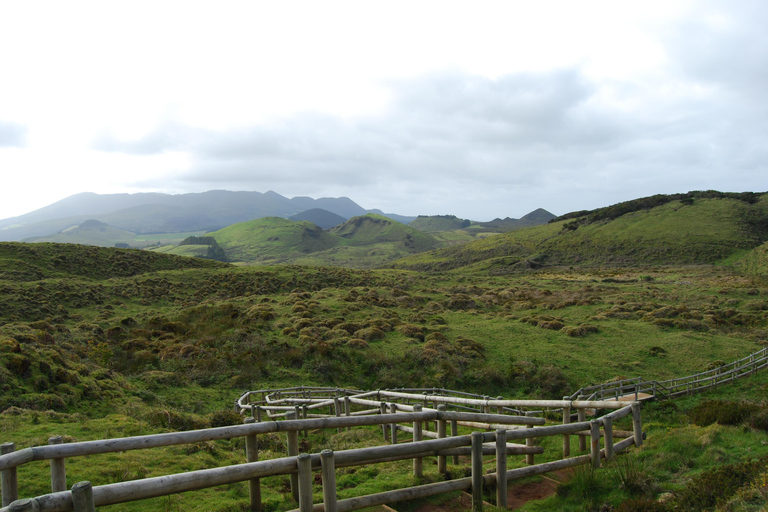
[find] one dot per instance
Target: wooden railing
(636, 388)
(490, 414)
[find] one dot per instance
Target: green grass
(115, 342)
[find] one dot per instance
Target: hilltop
(128, 342)
(276, 240)
(153, 213)
(673, 231)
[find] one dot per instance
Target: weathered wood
(293, 449)
(82, 497)
(637, 424)
(442, 465)
(329, 481)
(304, 464)
(566, 437)
(608, 433)
(595, 444)
(582, 415)
(603, 404)
(384, 426)
(477, 472)
(529, 441)
(252, 455)
(393, 425)
(454, 433)
(25, 505)
(418, 462)
(9, 483)
(501, 468)
(58, 468)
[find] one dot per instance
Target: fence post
(328, 466)
(608, 439)
(477, 472)
(501, 468)
(304, 463)
(566, 437)
(347, 408)
(393, 426)
(58, 469)
(252, 455)
(454, 433)
(529, 441)
(9, 482)
(384, 426)
(418, 462)
(637, 424)
(304, 416)
(293, 450)
(82, 497)
(24, 505)
(594, 431)
(337, 409)
(582, 416)
(441, 459)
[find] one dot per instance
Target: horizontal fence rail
(409, 414)
(639, 389)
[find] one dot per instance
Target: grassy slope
(272, 238)
(707, 231)
(99, 331)
(435, 223)
(371, 228)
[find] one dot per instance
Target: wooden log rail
(678, 386)
(83, 497)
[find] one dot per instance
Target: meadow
(101, 342)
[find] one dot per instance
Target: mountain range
(105, 219)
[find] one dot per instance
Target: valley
(98, 340)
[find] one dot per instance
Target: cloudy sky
(480, 109)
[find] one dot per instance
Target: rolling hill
(706, 230)
(272, 239)
(165, 213)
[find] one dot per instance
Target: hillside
(535, 218)
(90, 232)
(101, 342)
(272, 239)
(706, 230)
(164, 213)
(432, 223)
(319, 217)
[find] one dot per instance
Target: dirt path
(517, 495)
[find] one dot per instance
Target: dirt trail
(517, 495)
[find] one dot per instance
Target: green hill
(372, 228)
(90, 232)
(704, 230)
(31, 262)
(432, 223)
(272, 239)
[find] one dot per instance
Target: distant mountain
(535, 218)
(372, 228)
(164, 213)
(698, 228)
(435, 223)
(90, 232)
(319, 217)
(272, 239)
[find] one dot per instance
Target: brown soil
(517, 495)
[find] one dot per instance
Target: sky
(479, 109)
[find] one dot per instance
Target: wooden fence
(395, 412)
(698, 382)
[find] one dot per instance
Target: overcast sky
(477, 109)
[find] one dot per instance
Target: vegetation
(99, 342)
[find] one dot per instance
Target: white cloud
(483, 110)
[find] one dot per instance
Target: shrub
(224, 418)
